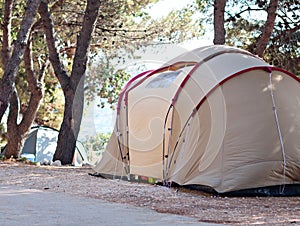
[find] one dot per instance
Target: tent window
(164, 80)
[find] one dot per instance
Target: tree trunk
(15, 140)
(18, 132)
(69, 129)
(3, 106)
(219, 30)
(6, 43)
(268, 28)
(6, 46)
(73, 85)
(8, 79)
(66, 138)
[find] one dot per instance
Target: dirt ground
(204, 207)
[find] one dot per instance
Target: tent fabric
(41, 142)
(217, 116)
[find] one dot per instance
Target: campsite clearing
(206, 208)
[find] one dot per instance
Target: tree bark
(268, 28)
(72, 86)
(74, 100)
(17, 132)
(15, 140)
(67, 137)
(6, 43)
(6, 46)
(8, 79)
(219, 29)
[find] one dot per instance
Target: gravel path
(200, 206)
(21, 206)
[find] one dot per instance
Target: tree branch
(6, 44)
(242, 11)
(35, 88)
(285, 33)
(83, 41)
(55, 6)
(8, 79)
(60, 73)
(268, 28)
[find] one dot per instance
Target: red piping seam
(155, 72)
(183, 83)
(265, 68)
(269, 69)
(126, 87)
(205, 60)
(286, 72)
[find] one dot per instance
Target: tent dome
(40, 145)
(217, 116)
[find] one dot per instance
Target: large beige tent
(217, 117)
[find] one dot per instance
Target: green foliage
(52, 107)
(95, 145)
(23, 159)
(104, 82)
(179, 26)
(245, 20)
(51, 110)
(122, 24)
(27, 161)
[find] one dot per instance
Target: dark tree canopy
(246, 24)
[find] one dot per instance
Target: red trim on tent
(287, 72)
(204, 61)
(126, 87)
(187, 77)
(265, 68)
(172, 67)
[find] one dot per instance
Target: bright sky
(168, 6)
(163, 7)
(158, 55)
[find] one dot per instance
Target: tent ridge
(206, 59)
(187, 77)
(266, 68)
(173, 67)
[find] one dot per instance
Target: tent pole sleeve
(127, 145)
(164, 145)
(278, 127)
(119, 145)
(126, 87)
(177, 142)
(203, 61)
(170, 142)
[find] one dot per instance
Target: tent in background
(217, 117)
(40, 145)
